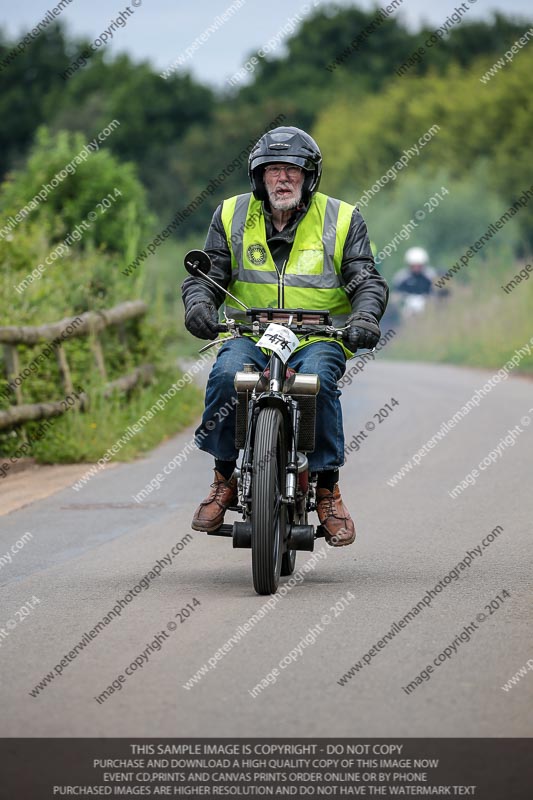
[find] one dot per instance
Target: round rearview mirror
(197, 263)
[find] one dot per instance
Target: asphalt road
(90, 547)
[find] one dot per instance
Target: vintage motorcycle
(275, 428)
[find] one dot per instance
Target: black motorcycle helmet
(286, 145)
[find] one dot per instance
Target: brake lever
(336, 333)
(231, 328)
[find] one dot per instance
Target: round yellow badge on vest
(256, 253)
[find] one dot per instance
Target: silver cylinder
(291, 485)
(246, 381)
(297, 384)
(302, 384)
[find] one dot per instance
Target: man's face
(284, 185)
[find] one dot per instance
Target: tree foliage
(332, 74)
(476, 123)
(79, 193)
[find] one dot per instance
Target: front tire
(269, 514)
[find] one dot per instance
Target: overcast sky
(161, 30)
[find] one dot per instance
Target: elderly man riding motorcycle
(285, 245)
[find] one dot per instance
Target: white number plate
(280, 340)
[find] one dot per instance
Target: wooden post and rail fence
(90, 324)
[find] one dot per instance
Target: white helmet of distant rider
(417, 258)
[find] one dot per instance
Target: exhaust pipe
(296, 384)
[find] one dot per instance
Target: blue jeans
(326, 359)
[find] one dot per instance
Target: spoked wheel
(269, 515)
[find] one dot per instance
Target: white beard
(287, 204)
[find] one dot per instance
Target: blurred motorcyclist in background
(414, 284)
(417, 276)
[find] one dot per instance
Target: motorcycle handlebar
(304, 330)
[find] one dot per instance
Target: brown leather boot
(210, 513)
(334, 517)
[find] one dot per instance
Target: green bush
(85, 277)
(86, 183)
(78, 437)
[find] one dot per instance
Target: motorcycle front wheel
(269, 514)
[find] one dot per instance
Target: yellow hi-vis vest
(311, 277)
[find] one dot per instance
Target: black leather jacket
(367, 290)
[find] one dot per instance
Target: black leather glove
(364, 331)
(201, 320)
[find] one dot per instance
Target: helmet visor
(298, 161)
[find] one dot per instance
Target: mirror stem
(225, 291)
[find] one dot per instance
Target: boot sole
(198, 526)
(341, 543)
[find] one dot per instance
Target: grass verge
(480, 325)
(86, 436)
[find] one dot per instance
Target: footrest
(242, 534)
(225, 530)
(302, 537)
(320, 532)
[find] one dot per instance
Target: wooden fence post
(64, 369)
(96, 347)
(13, 368)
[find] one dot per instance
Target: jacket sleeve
(367, 290)
(195, 290)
